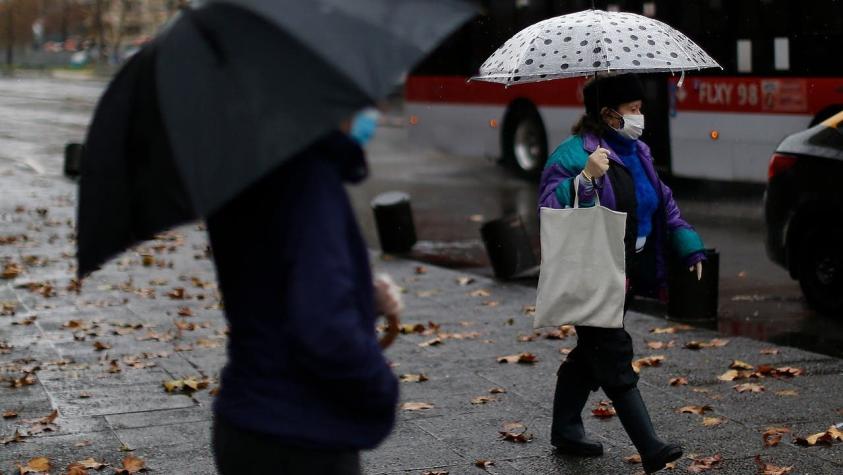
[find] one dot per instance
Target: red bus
(781, 75)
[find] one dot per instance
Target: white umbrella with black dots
(591, 42)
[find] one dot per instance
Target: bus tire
(825, 114)
(819, 268)
(524, 140)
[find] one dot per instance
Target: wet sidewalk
(125, 371)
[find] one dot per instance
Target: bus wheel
(524, 141)
(820, 270)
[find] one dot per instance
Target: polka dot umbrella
(592, 42)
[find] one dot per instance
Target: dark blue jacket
(304, 363)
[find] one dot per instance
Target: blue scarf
(645, 193)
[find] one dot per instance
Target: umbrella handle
(392, 328)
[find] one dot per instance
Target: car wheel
(820, 270)
(524, 140)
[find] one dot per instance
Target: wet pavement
(452, 196)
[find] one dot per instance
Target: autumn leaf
(560, 333)
(426, 293)
(409, 328)
(680, 381)
(177, 293)
(186, 386)
(671, 329)
(773, 435)
(431, 342)
(749, 387)
(482, 400)
(527, 338)
(604, 410)
(822, 438)
(702, 464)
(529, 310)
(437, 472)
(787, 393)
(648, 361)
(770, 469)
(694, 409)
(9, 414)
(76, 469)
(413, 378)
(17, 437)
(84, 443)
(185, 312)
(416, 406)
(515, 432)
(91, 463)
(769, 351)
(483, 463)
(497, 391)
(523, 358)
(480, 293)
(421, 270)
(36, 465)
(465, 280)
(8, 308)
(565, 351)
(787, 372)
(733, 375)
(713, 421)
(491, 303)
(633, 459)
(131, 464)
(738, 364)
(660, 345)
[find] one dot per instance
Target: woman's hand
(698, 268)
(388, 303)
(598, 164)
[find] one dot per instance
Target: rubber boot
(567, 433)
(633, 414)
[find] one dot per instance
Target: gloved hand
(698, 268)
(388, 302)
(597, 164)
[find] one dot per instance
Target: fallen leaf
(483, 463)
(480, 293)
(426, 293)
(518, 437)
(421, 270)
(437, 472)
(416, 406)
(491, 303)
(84, 443)
(648, 361)
(131, 464)
(713, 421)
(671, 329)
(773, 435)
(738, 364)
(187, 386)
(787, 372)
(822, 438)
(770, 351)
(701, 464)
(84, 395)
(465, 280)
(527, 338)
(604, 410)
(11, 270)
(413, 378)
(524, 358)
(749, 387)
(8, 308)
(177, 293)
(680, 381)
(9, 414)
(694, 409)
(432, 342)
(91, 463)
(35, 465)
(408, 328)
(482, 400)
(787, 393)
(529, 310)
(497, 391)
(206, 343)
(17, 437)
(76, 469)
(633, 459)
(565, 351)
(660, 345)
(185, 312)
(770, 469)
(476, 218)
(560, 333)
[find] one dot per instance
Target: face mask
(363, 126)
(633, 126)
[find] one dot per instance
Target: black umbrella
(228, 92)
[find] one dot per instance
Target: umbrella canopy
(239, 86)
(591, 42)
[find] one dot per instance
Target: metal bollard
(692, 299)
(394, 222)
(508, 247)
(73, 153)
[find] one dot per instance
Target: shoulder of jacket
(569, 154)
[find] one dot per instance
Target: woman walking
(606, 158)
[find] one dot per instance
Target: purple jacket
(569, 159)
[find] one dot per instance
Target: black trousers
(241, 452)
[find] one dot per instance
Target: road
(452, 196)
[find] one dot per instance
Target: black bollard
(508, 247)
(692, 299)
(73, 153)
(394, 221)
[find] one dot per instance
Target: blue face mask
(363, 126)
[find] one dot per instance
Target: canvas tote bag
(582, 279)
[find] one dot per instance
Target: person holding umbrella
(607, 158)
(607, 220)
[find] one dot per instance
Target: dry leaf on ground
(511, 433)
(822, 438)
(131, 464)
(773, 435)
(416, 406)
(465, 280)
(680, 381)
(9, 414)
(523, 358)
(431, 342)
(787, 393)
(749, 387)
(11, 270)
(604, 410)
(529, 310)
(738, 364)
(413, 378)
(497, 391)
(770, 351)
(91, 463)
(694, 409)
(35, 465)
(483, 463)
(660, 345)
(482, 400)
(480, 293)
(633, 459)
(702, 464)
(770, 469)
(671, 329)
(648, 361)
(713, 421)
(421, 270)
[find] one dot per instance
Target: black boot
(633, 414)
(567, 433)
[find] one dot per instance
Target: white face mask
(633, 126)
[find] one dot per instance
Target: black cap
(611, 91)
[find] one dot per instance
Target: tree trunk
(10, 27)
(100, 27)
